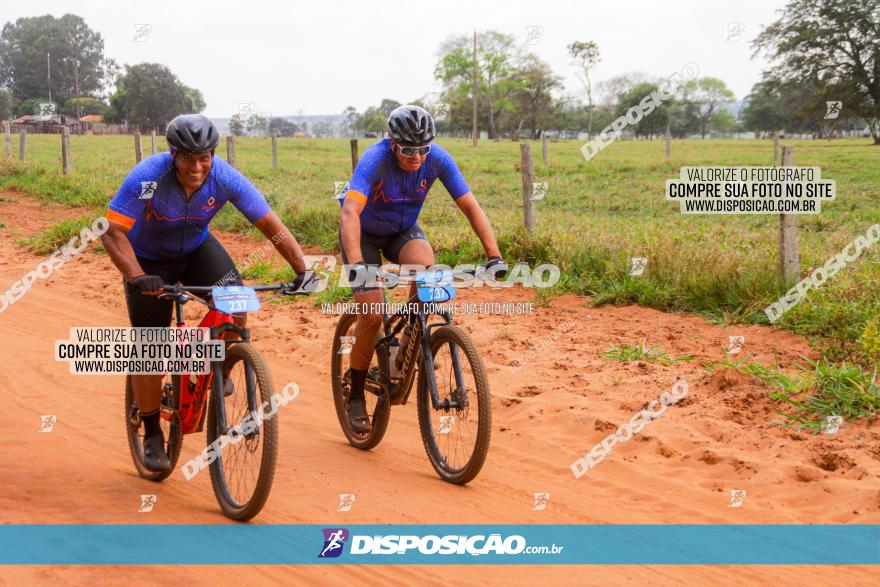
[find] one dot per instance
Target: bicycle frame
(421, 330)
(193, 394)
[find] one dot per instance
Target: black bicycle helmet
(411, 125)
(193, 133)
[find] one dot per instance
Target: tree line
(62, 57)
(824, 77)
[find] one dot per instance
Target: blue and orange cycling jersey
(393, 197)
(163, 223)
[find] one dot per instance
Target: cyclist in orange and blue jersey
(380, 217)
(159, 235)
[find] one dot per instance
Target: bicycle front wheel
(243, 470)
(455, 433)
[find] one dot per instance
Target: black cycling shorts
(209, 265)
(373, 247)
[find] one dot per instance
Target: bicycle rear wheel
(378, 403)
(168, 420)
(456, 439)
(244, 469)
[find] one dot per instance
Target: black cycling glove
(148, 283)
(305, 281)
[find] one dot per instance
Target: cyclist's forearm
(481, 227)
(282, 239)
(351, 236)
(121, 253)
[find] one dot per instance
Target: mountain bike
(236, 386)
(452, 399)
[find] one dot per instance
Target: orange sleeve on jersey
(357, 196)
(114, 216)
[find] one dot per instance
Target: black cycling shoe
(358, 418)
(155, 458)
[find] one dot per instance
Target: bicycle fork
(428, 365)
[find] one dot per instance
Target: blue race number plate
(232, 299)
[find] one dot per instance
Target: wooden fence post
(153, 140)
(544, 145)
(668, 142)
(22, 139)
(354, 153)
(66, 163)
(138, 153)
(230, 150)
(789, 258)
(275, 150)
(528, 170)
(8, 133)
(776, 147)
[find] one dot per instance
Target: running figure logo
(345, 344)
(832, 424)
(346, 500)
(148, 189)
(833, 109)
(737, 497)
(540, 502)
(539, 190)
(638, 266)
(735, 344)
(47, 423)
(340, 188)
(147, 503)
(334, 540)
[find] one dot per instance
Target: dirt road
(680, 469)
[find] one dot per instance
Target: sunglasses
(410, 151)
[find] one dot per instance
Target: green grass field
(595, 217)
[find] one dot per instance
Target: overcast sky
(319, 57)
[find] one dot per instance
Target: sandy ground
(679, 469)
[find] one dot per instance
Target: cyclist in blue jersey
(380, 217)
(159, 234)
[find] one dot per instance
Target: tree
(707, 94)
(651, 124)
(84, 106)
(351, 117)
(31, 106)
(257, 124)
(74, 50)
(387, 106)
(585, 55)
(497, 55)
(8, 105)
(237, 124)
(149, 94)
(611, 89)
(282, 126)
(834, 42)
(533, 94)
(723, 122)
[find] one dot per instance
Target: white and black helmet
(193, 133)
(411, 125)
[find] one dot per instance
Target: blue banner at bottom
(589, 544)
